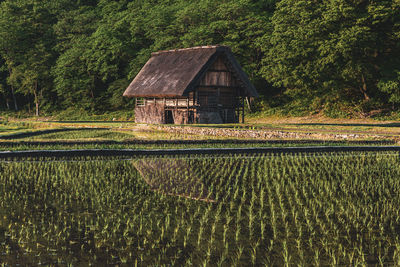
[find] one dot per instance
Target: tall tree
(3, 82)
(26, 44)
(389, 81)
(111, 51)
(74, 83)
(334, 49)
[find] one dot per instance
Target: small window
(140, 102)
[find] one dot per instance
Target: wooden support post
(248, 103)
(164, 101)
(218, 96)
(243, 110)
(194, 107)
(187, 111)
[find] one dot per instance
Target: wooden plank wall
(219, 86)
(218, 75)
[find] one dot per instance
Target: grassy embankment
(25, 134)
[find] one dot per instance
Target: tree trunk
(12, 92)
(91, 87)
(363, 88)
(7, 104)
(35, 93)
(14, 98)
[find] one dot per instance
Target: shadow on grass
(92, 121)
(348, 124)
(36, 133)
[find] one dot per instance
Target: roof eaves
(188, 49)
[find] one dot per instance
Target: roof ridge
(188, 49)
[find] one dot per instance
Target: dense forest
(339, 57)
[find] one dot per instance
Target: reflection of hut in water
(173, 177)
(193, 85)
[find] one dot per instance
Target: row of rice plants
(327, 209)
(99, 141)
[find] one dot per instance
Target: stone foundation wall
(261, 134)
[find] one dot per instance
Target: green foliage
(391, 85)
(81, 55)
(26, 45)
(334, 49)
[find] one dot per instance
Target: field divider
(46, 131)
(195, 142)
(197, 151)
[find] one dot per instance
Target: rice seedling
(322, 209)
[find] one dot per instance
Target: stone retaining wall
(264, 134)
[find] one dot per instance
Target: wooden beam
(218, 86)
(219, 71)
(218, 96)
(248, 103)
(187, 114)
(243, 110)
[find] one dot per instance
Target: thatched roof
(175, 73)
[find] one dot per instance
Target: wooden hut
(192, 85)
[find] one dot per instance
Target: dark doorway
(191, 117)
(169, 119)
